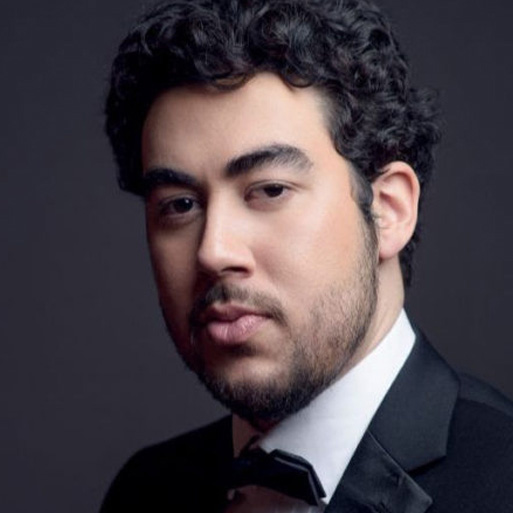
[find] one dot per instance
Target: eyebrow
(271, 155)
(159, 176)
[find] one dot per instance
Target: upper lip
(226, 313)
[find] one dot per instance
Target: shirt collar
(328, 430)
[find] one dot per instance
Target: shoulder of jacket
(478, 392)
(203, 440)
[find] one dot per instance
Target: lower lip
(235, 332)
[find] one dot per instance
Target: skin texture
(271, 283)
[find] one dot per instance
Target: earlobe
(395, 207)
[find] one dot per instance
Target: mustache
(223, 293)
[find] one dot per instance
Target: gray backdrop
(88, 374)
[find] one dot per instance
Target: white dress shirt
(328, 430)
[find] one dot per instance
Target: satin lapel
(413, 421)
(409, 430)
(376, 483)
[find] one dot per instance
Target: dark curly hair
(344, 48)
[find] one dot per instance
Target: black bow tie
(280, 471)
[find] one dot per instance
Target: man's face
(265, 269)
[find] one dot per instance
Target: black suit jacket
(439, 442)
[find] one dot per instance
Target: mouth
(231, 324)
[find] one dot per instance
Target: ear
(395, 205)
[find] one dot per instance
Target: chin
(261, 392)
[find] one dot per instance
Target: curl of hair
(345, 48)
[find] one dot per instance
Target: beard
(321, 346)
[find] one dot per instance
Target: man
(282, 154)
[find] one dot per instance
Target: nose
(225, 247)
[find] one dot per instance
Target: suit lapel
(410, 430)
(376, 483)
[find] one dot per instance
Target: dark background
(88, 374)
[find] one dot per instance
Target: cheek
(173, 267)
(308, 251)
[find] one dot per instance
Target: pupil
(183, 205)
(274, 190)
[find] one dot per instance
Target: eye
(179, 206)
(268, 193)
(273, 190)
(178, 209)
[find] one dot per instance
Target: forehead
(196, 126)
